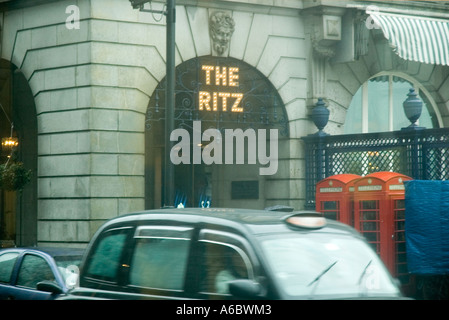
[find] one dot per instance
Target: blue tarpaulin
(427, 226)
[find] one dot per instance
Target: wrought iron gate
(259, 103)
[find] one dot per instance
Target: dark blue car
(37, 273)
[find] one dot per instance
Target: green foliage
(14, 176)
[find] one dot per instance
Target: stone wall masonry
(90, 108)
(56, 232)
(92, 86)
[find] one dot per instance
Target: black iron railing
(419, 153)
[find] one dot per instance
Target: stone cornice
(20, 4)
(289, 7)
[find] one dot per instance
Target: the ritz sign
(220, 101)
(261, 145)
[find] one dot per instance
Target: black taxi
(230, 254)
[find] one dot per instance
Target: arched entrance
(18, 208)
(227, 96)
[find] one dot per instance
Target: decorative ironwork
(261, 104)
(420, 154)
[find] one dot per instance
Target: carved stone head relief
(221, 28)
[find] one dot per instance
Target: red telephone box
(334, 197)
(379, 214)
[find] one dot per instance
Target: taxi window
(34, 269)
(223, 257)
(220, 264)
(160, 258)
(105, 261)
(7, 261)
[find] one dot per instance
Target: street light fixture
(170, 13)
(138, 3)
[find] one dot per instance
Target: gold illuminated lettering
(224, 76)
(220, 75)
(233, 75)
(208, 69)
(235, 107)
(204, 100)
(224, 100)
(215, 102)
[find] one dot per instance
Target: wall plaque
(245, 190)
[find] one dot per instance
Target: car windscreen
(321, 265)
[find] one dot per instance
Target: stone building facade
(79, 77)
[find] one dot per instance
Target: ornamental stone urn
(320, 116)
(412, 107)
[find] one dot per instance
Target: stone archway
(18, 209)
(219, 93)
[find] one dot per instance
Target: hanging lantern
(10, 142)
(8, 145)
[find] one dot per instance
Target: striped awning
(414, 38)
